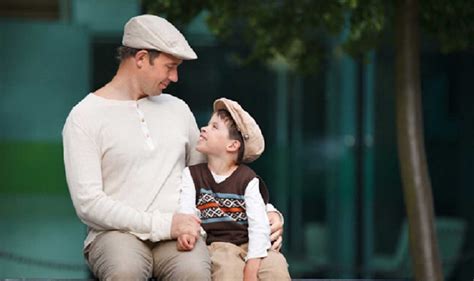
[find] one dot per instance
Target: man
(125, 147)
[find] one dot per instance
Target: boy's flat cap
(153, 32)
(254, 143)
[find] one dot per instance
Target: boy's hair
(234, 133)
(124, 52)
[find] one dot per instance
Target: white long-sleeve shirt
(123, 162)
(258, 225)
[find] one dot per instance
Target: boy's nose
(203, 129)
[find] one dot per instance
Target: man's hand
(251, 269)
(185, 242)
(185, 224)
(276, 230)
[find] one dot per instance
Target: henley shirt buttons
(144, 127)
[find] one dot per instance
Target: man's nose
(173, 76)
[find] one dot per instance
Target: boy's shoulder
(246, 169)
(198, 170)
(262, 186)
(243, 171)
(197, 166)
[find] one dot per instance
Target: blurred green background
(330, 163)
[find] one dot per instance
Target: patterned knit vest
(222, 205)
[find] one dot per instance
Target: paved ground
(40, 237)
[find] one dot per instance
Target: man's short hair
(234, 133)
(124, 52)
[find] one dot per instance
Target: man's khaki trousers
(116, 255)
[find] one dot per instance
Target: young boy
(231, 199)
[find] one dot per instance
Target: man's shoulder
(169, 100)
(86, 104)
(86, 110)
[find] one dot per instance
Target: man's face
(160, 74)
(214, 138)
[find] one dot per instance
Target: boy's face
(214, 138)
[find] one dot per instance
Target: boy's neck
(221, 167)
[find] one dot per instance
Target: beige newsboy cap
(153, 32)
(254, 144)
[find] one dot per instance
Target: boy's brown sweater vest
(222, 205)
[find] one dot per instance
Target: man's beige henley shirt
(123, 162)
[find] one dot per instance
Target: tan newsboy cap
(254, 144)
(153, 32)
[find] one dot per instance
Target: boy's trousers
(228, 263)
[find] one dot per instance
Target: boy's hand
(186, 242)
(185, 224)
(251, 269)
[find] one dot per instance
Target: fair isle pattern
(221, 207)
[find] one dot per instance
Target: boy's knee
(274, 267)
(195, 268)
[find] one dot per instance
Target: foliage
(450, 22)
(298, 31)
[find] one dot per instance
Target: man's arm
(276, 227)
(187, 205)
(93, 206)
(187, 195)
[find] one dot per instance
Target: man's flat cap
(153, 32)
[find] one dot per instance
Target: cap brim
(190, 55)
(220, 104)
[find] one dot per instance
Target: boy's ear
(233, 146)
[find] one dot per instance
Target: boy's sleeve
(259, 227)
(187, 198)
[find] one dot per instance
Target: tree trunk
(414, 170)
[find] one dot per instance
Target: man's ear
(140, 58)
(233, 146)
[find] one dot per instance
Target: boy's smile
(214, 137)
